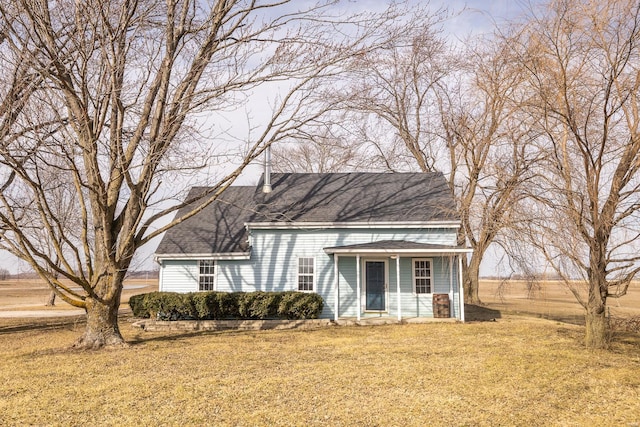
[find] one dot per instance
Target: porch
(391, 320)
(395, 279)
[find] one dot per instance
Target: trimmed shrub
(301, 306)
(170, 306)
(227, 305)
(204, 304)
(285, 308)
(137, 304)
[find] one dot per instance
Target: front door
(375, 285)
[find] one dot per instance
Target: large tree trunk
(471, 280)
(596, 328)
(102, 325)
(596, 334)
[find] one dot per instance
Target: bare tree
(423, 107)
(393, 92)
(325, 149)
(486, 136)
(582, 62)
(111, 94)
(63, 205)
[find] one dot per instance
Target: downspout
(160, 276)
(450, 277)
(336, 287)
(398, 287)
(461, 288)
(358, 289)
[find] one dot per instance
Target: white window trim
(215, 275)
(413, 275)
(313, 276)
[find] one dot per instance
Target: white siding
(273, 267)
(179, 276)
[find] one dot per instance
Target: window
(207, 275)
(306, 268)
(422, 276)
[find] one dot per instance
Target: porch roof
(397, 247)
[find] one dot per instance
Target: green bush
(203, 304)
(260, 305)
(170, 306)
(298, 305)
(227, 305)
(137, 304)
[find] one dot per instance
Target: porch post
(160, 278)
(451, 281)
(336, 287)
(461, 287)
(398, 287)
(358, 299)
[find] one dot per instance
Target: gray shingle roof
(357, 197)
(310, 197)
(218, 228)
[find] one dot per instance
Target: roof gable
(356, 197)
(306, 197)
(218, 228)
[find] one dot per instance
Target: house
(371, 244)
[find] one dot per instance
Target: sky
(472, 17)
(477, 17)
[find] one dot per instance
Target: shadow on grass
(572, 319)
(625, 338)
(40, 324)
(143, 337)
(479, 313)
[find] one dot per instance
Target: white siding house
(370, 244)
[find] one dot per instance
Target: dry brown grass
(552, 300)
(514, 371)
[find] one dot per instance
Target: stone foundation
(222, 325)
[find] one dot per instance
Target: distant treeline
(525, 277)
(7, 275)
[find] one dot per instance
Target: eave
(405, 252)
(397, 247)
(352, 225)
(230, 256)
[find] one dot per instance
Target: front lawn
(514, 371)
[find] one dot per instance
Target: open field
(551, 300)
(517, 370)
(31, 295)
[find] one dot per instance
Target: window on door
(376, 285)
(422, 276)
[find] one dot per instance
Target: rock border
(223, 325)
(151, 325)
